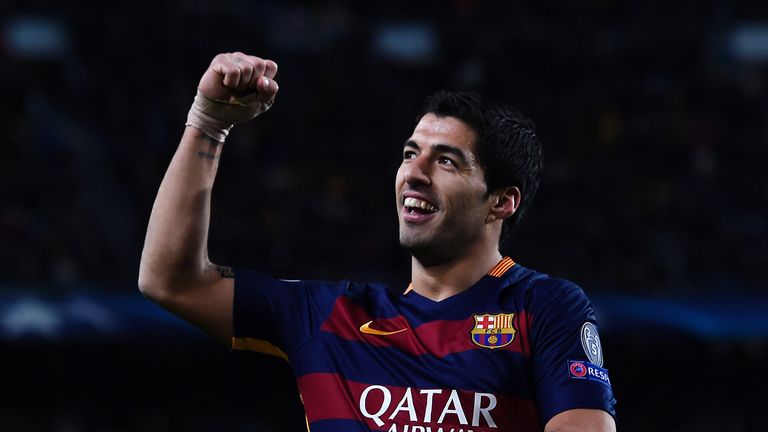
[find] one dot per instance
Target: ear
(504, 203)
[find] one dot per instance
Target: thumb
(267, 88)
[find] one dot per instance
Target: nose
(416, 171)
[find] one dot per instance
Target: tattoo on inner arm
(226, 272)
(210, 153)
(213, 142)
(206, 155)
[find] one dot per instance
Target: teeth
(417, 203)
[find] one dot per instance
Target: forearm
(581, 420)
(174, 270)
(234, 89)
(175, 248)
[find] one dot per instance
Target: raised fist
(233, 76)
(234, 89)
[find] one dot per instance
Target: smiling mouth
(417, 206)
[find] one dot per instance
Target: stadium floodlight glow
(748, 43)
(36, 37)
(410, 43)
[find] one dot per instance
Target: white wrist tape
(216, 117)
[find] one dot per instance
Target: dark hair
(508, 149)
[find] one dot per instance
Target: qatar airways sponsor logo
(428, 410)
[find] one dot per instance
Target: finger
(231, 75)
(221, 64)
(246, 69)
(259, 65)
(267, 88)
(246, 76)
(270, 69)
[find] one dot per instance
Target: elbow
(152, 285)
(148, 286)
(166, 285)
(156, 289)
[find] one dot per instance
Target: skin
(452, 249)
(458, 243)
(175, 270)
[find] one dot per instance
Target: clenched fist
(233, 76)
(234, 89)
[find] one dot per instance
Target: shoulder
(252, 286)
(258, 279)
(370, 295)
(541, 287)
(548, 298)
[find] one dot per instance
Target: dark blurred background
(654, 118)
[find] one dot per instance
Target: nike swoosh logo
(366, 328)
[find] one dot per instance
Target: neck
(439, 281)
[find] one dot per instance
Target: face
(440, 187)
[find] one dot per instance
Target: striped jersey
(507, 354)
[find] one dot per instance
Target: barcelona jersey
(507, 354)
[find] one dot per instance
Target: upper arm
(567, 358)
(279, 313)
(576, 420)
(205, 302)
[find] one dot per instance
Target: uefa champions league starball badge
(590, 341)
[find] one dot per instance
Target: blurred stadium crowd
(654, 128)
(653, 115)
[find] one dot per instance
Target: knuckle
(219, 59)
(271, 69)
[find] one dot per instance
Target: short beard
(433, 253)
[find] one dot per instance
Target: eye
(444, 160)
(409, 154)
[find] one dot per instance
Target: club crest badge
(493, 331)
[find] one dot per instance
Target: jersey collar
(498, 271)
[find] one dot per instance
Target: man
(476, 342)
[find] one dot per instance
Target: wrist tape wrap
(216, 117)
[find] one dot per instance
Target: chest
(470, 372)
(486, 350)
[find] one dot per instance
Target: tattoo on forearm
(210, 152)
(213, 142)
(206, 155)
(226, 272)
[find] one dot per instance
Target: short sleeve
(276, 316)
(567, 355)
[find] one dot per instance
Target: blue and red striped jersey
(507, 354)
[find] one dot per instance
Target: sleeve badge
(590, 341)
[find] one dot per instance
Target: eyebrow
(442, 148)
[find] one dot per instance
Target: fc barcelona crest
(493, 331)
